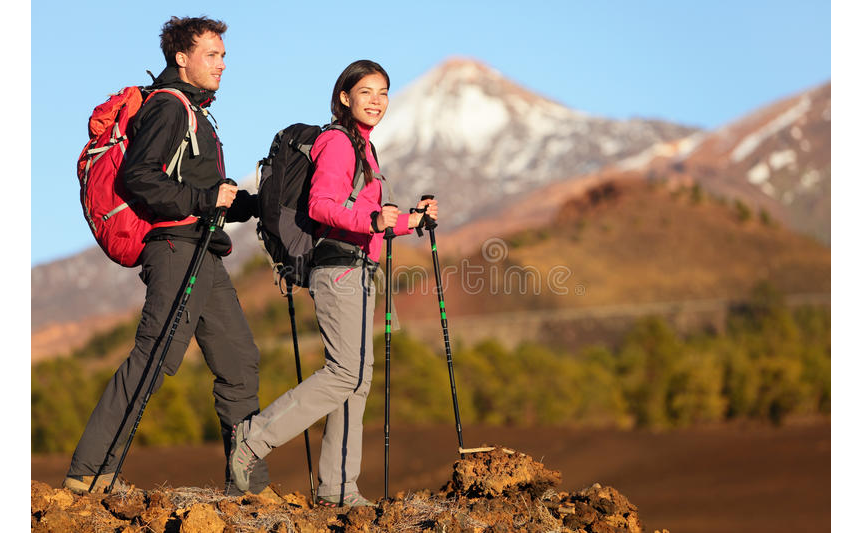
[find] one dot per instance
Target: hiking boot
(242, 459)
(81, 484)
(351, 499)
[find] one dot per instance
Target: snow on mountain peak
(750, 143)
(462, 105)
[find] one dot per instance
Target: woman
(341, 284)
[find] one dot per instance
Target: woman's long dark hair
(341, 113)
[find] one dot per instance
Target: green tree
(815, 329)
(694, 392)
(646, 360)
(740, 381)
(741, 210)
(603, 400)
(169, 418)
(61, 398)
(550, 379)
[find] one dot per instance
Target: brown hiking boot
(81, 484)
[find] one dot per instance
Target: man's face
(203, 65)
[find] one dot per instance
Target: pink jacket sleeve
(401, 227)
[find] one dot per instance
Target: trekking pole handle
(425, 220)
(389, 233)
(221, 212)
(429, 222)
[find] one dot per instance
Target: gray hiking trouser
(344, 302)
(214, 316)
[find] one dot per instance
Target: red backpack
(116, 220)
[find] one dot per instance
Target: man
(194, 52)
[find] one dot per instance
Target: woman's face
(368, 99)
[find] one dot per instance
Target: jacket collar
(364, 130)
(170, 77)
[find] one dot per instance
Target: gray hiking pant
(214, 316)
(344, 302)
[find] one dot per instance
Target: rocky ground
(497, 490)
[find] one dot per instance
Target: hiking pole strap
(427, 221)
(419, 226)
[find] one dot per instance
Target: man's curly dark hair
(178, 34)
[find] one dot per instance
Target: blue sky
(696, 63)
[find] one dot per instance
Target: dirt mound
(499, 471)
(490, 491)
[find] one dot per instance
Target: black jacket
(156, 132)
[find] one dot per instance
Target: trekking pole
(299, 380)
(200, 252)
(388, 235)
(430, 224)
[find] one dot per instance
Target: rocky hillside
(625, 240)
(778, 157)
(492, 490)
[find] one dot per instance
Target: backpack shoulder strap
(374, 152)
(190, 137)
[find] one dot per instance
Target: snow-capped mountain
(472, 137)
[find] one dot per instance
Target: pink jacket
(332, 183)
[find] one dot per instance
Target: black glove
(244, 207)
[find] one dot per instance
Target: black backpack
(284, 181)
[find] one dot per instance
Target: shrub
(696, 194)
(741, 210)
(645, 362)
(694, 392)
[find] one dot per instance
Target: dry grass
(184, 497)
